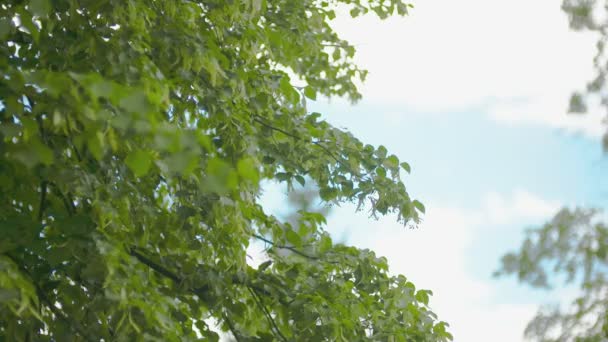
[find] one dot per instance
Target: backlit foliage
(134, 136)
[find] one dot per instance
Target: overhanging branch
(292, 249)
(326, 150)
(73, 324)
(203, 290)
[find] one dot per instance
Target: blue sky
(483, 182)
(473, 95)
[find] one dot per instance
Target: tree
(587, 15)
(134, 136)
(573, 246)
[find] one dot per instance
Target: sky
(473, 95)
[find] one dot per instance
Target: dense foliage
(573, 246)
(134, 136)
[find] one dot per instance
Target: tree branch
(232, 328)
(327, 151)
(67, 121)
(290, 248)
(57, 312)
(334, 45)
(75, 325)
(269, 318)
(69, 206)
(154, 266)
(41, 206)
(199, 291)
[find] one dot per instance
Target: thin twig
(278, 129)
(334, 45)
(69, 206)
(75, 325)
(71, 322)
(327, 151)
(291, 248)
(232, 328)
(199, 291)
(67, 121)
(271, 320)
(156, 267)
(41, 206)
(331, 154)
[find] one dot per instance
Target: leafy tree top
(134, 136)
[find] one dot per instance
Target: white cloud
(549, 112)
(450, 55)
(521, 205)
(435, 257)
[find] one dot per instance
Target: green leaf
(247, 170)
(288, 90)
(310, 92)
(39, 8)
(45, 154)
(185, 162)
(381, 152)
(263, 266)
(293, 238)
(300, 180)
(423, 296)
(221, 177)
(282, 176)
(325, 243)
(26, 22)
(419, 206)
(328, 194)
(136, 102)
(139, 161)
(5, 27)
(95, 145)
(105, 89)
(381, 171)
(406, 167)
(392, 162)
(34, 153)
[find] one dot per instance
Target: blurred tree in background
(591, 16)
(573, 246)
(134, 136)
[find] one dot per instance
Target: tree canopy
(134, 138)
